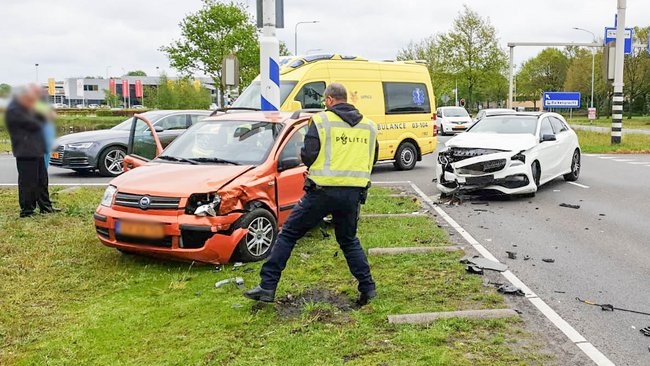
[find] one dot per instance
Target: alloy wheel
(113, 161)
(260, 236)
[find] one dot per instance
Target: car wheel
(406, 156)
(575, 167)
(536, 171)
(261, 236)
(442, 130)
(110, 161)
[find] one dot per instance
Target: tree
(284, 50)
(112, 100)
(177, 94)
(5, 90)
(212, 33)
(545, 72)
(136, 73)
(636, 74)
(471, 51)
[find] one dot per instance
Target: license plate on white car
(480, 180)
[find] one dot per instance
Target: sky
(76, 38)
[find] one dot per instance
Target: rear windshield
(455, 112)
(506, 125)
(406, 98)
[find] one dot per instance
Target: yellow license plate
(141, 230)
(55, 155)
(461, 127)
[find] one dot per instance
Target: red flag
(111, 87)
(125, 88)
(138, 89)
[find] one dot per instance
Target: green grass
(600, 143)
(66, 299)
(635, 122)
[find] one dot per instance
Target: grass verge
(600, 143)
(635, 122)
(68, 300)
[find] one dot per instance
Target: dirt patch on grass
(311, 300)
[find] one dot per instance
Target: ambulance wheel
(262, 234)
(406, 156)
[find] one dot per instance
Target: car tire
(536, 171)
(110, 161)
(260, 239)
(441, 130)
(406, 156)
(575, 167)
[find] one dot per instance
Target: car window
(250, 97)
(455, 112)
(311, 95)
(506, 125)
(196, 118)
(558, 126)
(546, 128)
(405, 98)
(143, 144)
(175, 122)
(294, 145)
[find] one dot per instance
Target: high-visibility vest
(346, 153)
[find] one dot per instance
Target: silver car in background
(104, 150)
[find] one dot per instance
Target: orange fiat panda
(218, 193)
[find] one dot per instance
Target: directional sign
(569, 100)
(610, 36)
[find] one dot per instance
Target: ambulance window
(311, 95)
(406, 98)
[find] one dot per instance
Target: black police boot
(260, 294)
(365, 297)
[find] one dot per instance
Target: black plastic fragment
(511, 255)
(510, 290)
(568, 205)
(548, 260)
(645, 331)
(474, 270)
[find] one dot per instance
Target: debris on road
(602, 214)
(645, 331)
(238, 281)
(610, 307)
(474, 270)
(237, 265)
(568, 205)
(484, 263)
(510, 290)
(511, 255)
(526, 257)
(548, 260)
(218, 268)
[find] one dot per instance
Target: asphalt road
(601, 251)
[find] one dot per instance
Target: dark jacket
(26, 131)
(347, 112)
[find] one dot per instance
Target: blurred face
(329, 102)
(28, 98)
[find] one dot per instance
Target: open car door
(144, 143)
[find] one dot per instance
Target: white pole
(593, 71)
(269, 56)
(456, 94)
(617, 105)
(511, 77)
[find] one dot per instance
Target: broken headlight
(442, 158)
(202, 204)
(518, 159)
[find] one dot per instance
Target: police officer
(339, 150)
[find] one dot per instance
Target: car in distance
(452, 120)
(491, 112)
(104, 150)
(218, 193)
(511, 153)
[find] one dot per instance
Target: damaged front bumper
(480, 169)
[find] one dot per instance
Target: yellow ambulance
(396, 95)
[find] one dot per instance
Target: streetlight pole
(593, 63)
(36, 67)
(295, 34)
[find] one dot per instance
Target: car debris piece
(510, 290)
(610, 307)
(568, 205)
(526, 257)
(548, 260)
(238, 281)
(511, 255)
(645, 331)
(237, 265)
(218, 268)
(474, 270)
(484, 263)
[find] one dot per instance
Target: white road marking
(578, 184)
(581, 342)
(623, 160)
(638, 162)
(606, 157)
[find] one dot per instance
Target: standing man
(339, 150)
(25, 128)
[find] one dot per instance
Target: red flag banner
(125, 88)
(112, 87)
(138, 89)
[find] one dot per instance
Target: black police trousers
(33, 188)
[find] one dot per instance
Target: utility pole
(36, 66)
(617, 100)
(593, 63)
(295, 35)
(269, 56)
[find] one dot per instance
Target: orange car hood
(177, 180)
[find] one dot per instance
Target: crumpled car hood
(498, 141)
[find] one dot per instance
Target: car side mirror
(288, 163)
(158, 128)
(549, 137)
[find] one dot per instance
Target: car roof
(518, 114)
(256, 116)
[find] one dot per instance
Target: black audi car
(104, 150)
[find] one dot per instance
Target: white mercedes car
(511, 153)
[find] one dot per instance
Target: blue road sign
(569, 100)
(610, 36)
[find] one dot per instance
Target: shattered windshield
(224, 142)
(506, 125)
